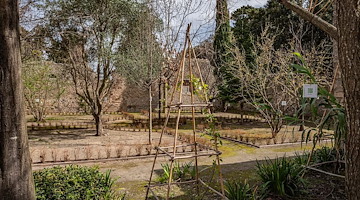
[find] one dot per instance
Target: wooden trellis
(178, 107)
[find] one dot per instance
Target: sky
(203, 20)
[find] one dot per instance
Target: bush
(236, 190)
(186, 171)
(301, 158)
(325, 154)
(73, 182)
(281, 176)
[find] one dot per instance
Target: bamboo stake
(178, 114)
(193, 118)
(215, 137)
(163, 131)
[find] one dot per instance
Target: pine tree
(224, 57)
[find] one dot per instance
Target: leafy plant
(326, 113)
(184, 171)
(281, 176)
(212, 131)
(324, 154)
(199, 88)
(236, 190)
(301, 159)
(75, 183)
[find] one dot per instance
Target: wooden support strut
(190, 105)
(178, 86)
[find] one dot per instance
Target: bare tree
(270, 85)
(16, 181)
(175, 15)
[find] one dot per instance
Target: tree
(347, 34)
(250, 22)
(86, 36)
(268, 81)
(42, 85)
(142, 56)
(174, 15)
(224, 59)
(349, 56)
(16, 181)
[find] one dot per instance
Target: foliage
(184, 171)
(325, 154)
(212, 131)
(301, 158)
(42, 85)
(269, 81)
(141, 56)
(236, 190)
(224, 57)
(326, 112)
(85, 37)
(281, 176)
(250, 21)
(74, 182)
(200, 89)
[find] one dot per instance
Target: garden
(193, 99)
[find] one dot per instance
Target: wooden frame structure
(178, 106)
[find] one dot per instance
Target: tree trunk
(337, 85)
(166, 94)
(98, 124)
(349, 57)
(160, 100)
(150, 115)
(16, 180)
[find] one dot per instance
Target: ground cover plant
(281, 176)
(236, 190)
(182, 172)
(75, 183)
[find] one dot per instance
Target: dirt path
(237, 159)
(236, 155)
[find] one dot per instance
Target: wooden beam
(324, 172)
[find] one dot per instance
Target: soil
(238, 160)
(68, 145)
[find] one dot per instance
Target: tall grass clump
(281, 177)
(185, 171)
(236, 190)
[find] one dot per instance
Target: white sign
(310, 90)
(283, 103)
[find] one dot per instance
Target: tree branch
(312, 18)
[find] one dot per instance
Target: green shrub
(73, 182)
(324, 154)
(236, 190)
(301, 158)
(185, 171)
(281, 176)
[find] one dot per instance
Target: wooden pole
(178, 113)
(192, 90)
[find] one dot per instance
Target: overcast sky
(203, 21)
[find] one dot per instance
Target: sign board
(310, 90)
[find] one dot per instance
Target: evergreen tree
(224, 57)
